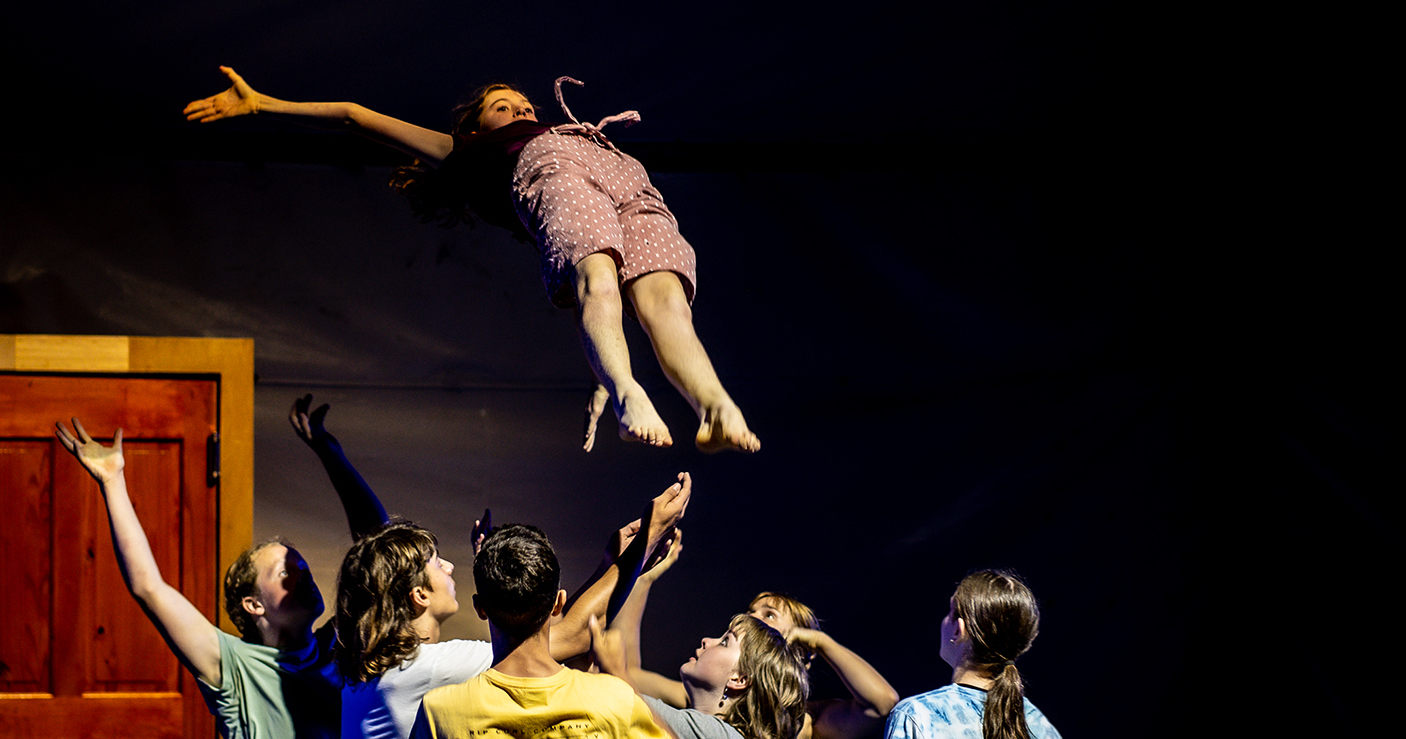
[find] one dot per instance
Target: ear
(559, 604)
(419, 598)
(961, 633)
(252, 605)
(738, 683)
(479, 609)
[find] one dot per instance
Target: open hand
(239, 99)
(667, 510)
(309, 426)
(104, 463)
(608, 649)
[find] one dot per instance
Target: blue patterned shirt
(954, 712)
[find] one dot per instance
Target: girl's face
(951, 647)
(443, 600)
(770, 612)
(714, 663)
(504, 107)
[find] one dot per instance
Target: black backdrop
(1091, 294)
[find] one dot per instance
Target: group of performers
(556, 665)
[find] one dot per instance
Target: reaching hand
(104, 463)
(480, 530)
(620, 540)
(663, 557)
(667, 510)
(809, 638)
(309, 427)
(608, 649)
(595, 406)
(239, 99)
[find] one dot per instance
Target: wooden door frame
(231, 360)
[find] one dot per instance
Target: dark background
(1098, 294)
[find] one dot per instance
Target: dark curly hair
(374, 612)
(424, 188)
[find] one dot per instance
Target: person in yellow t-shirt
(526, 692)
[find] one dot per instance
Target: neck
(288, 640)
(531, 657)
(426, 627)
(709, 701)
(967, 676)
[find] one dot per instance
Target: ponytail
(1002, 620)
(1004, 716)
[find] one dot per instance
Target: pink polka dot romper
(578, 195)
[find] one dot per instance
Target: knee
(659, 297)
(596, 279)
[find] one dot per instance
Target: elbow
(885, 703)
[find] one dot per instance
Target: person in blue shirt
(992, 619)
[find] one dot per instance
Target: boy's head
(518, 580)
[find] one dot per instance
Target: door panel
(88, 661)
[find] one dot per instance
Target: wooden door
(78, 656)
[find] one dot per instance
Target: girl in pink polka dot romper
(600, 225)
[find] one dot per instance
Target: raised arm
(364, 510)
(241, 99)
(609, 592)
(627, 625)
(186, 630)
(872, 696)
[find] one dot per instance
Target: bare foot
(595, 406)
(723, 427)
(639, 421)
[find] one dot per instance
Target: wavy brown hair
(429, 197)
(374, 611)
(774, 704)
(1002, 620)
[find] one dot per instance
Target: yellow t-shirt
(568, 705)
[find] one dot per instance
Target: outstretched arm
(627, 625)
(363, 508)
(872, 696)
(241, 99)
(186, 630)
(609, 592)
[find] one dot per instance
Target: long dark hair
(429, 198)
(374, 612)
(1001, 620)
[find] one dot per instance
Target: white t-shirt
(385, 708)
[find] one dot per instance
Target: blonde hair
(800, 614)
(773, 706)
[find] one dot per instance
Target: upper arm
(655, 685)
(186, 630)
(422, 143)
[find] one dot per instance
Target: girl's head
(992, 620)
(782, 612)
(764, 685)
(388, 579)
(492, 106)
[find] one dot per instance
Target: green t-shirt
(266, 693)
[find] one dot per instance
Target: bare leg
(664, 313)
(598, 294)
